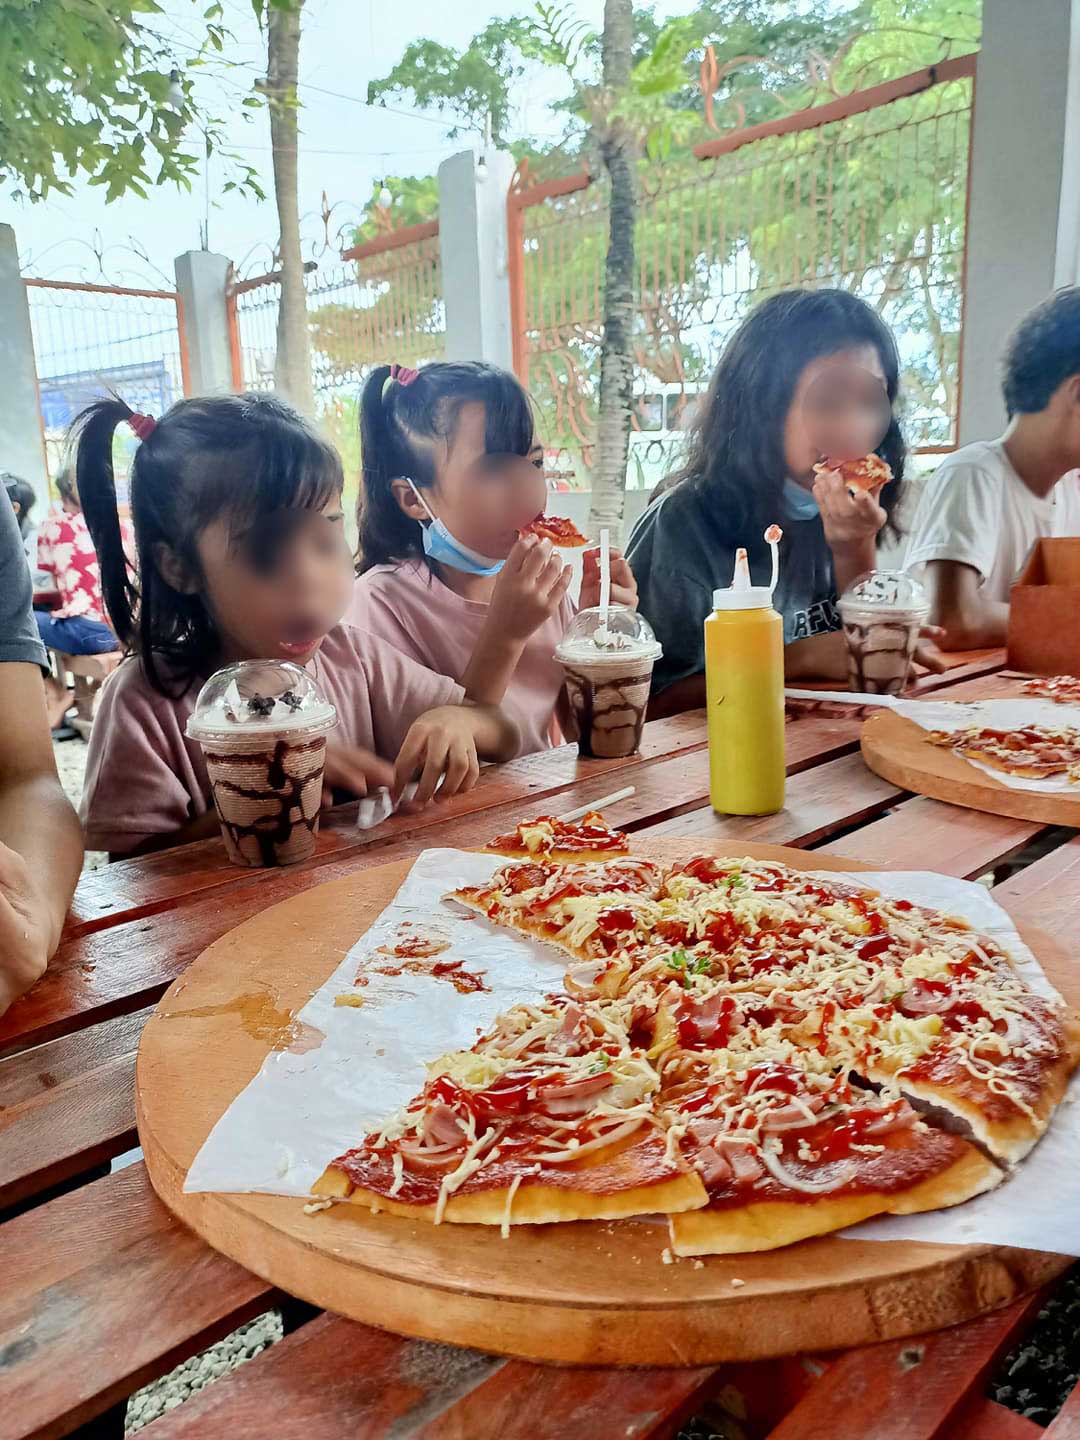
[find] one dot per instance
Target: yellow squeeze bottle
(744, 679)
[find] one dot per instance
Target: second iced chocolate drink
(608, 663)
(882, 614)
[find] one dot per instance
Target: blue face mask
(440, 545)
(799, 504)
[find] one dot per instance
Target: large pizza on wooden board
(758, 1053)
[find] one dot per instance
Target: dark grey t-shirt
(19, 639)
(681, 550)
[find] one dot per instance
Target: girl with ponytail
(236, 504)
(452, 472)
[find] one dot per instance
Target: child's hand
(623, 584)
(927, 653)
(530, 588)
(848, 519)
(24, 931)
(348, 767)
(442, 742)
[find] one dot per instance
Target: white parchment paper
(303, 1109)
(1010, 714)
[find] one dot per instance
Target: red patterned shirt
(66, 552)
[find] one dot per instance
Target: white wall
(22, 450)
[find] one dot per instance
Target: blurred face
(840, 410)
(280, 611)
(482, 499)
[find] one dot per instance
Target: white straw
(597, 804)
(841, 697)
(605, 576)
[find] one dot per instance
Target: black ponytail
(92, 439)
(249, 458)
(402, 429)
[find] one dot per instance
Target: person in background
(40, 844)
(452, 472)
(67, 559)
(242, 556)
(752, 453)
(22, 497)
(989, 502)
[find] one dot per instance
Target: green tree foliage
(875, 203)
(85, 89)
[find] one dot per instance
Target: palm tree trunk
(292, 366)
(616, 353)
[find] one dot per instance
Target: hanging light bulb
(386, 198)
(175, 94)
(481, 168)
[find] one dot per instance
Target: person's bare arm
(41, 847)
(529, 590)
(969, 619)
(818, 657)
(686, 694)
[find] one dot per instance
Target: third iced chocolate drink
(608, 676)
(882, 614)
(262, 726)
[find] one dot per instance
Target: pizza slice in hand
(865, 473)
(548, 1118)
(562, 532)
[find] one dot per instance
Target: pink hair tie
(403, 375)
(143, 425)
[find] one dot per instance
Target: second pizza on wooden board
(758, 1053)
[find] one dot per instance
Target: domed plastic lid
(886, 590)
(256, 698)
(626, 636)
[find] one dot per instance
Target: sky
(345, 144)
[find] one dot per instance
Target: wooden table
(102, 1290)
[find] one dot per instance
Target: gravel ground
(1033, 1380)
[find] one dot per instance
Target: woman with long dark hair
(802, 361)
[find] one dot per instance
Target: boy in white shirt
(989, 502)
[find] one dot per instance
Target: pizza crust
(771, 1224)
(559, 857)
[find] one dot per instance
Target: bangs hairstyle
(402, 431)
(248, 459)
(736, 441)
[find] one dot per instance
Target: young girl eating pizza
(452, 475)
(808, 374)
(241, 555)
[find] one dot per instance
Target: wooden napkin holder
(1044, 610)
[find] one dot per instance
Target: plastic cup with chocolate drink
(608, 671)
(882, 613)
(262, 725)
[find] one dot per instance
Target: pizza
(553, 839)
(861, 474)
(1034, 752)
(759, 1053)
(559, 530)
(1063, 689)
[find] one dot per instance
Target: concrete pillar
(201, 278)
(1024, 212)
(472, 243)
(22, 450)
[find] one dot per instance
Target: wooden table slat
(819, 801)
(907, 1389)
(103, 1290)
(929, 835)
(986, 1420)
(67, 1106)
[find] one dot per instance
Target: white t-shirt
(977, 510)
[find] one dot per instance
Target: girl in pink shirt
(452, 473)
(237, 513)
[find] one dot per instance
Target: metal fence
(381, 301)
(867, 192)
(94, 340)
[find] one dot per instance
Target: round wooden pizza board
(582, 1293)
(897, 749)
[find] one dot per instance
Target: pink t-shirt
(144, 777)
(410, 607)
